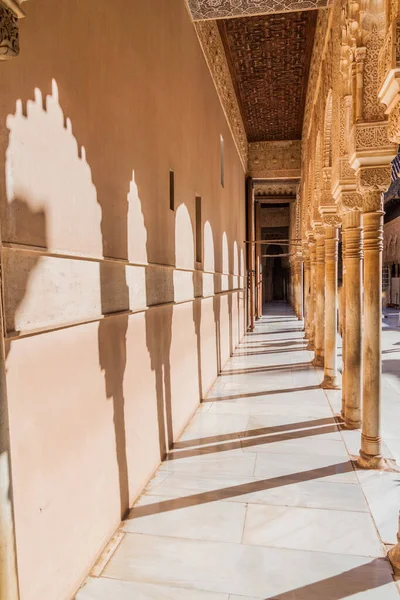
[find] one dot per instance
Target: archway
(275, 274)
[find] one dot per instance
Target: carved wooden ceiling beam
(203, 10)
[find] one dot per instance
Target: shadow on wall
(59, 203)
(22, 217)
(60, 177)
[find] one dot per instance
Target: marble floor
(258, 500)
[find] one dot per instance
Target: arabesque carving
(9, 33)
(332, 219)
(349, 201)
(214, 53)
(222, 9)
(375, 178)
(268, 160)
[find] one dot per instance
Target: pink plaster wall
(112, 335)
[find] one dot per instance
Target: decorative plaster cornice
(224, 9)
(213, 49)
(314, 79)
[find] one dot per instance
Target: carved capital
(376, 178)
(349, 201)
(360, 54)
(333, 220)
(319, 229)
(372, 200)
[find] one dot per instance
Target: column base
(369, 461)
(330, 383)
(318, 361)
(351, 424)
(310, 346)
(394, 558)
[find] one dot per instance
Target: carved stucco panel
(9, 33)
(275, 159)
(214, 53)
(222, 9)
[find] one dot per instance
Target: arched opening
(275, 274)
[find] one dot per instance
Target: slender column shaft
(311, 302)
(300, 291)
(343, 324)
(296, 288)
(306, 293)
(331, 271)
(353, 333)
(370, 453)
(250, 252)
(258, 248)
(320, 302)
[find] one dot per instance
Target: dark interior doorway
(275, 275)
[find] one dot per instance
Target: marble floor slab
(311, 494)
(214, 521)
(312, 529)
(246, 570)
(259, 498)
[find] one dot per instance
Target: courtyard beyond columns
(260, 498)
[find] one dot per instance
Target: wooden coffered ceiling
(269, 59)
(223, 9)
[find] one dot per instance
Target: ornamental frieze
(214, 53)
(224, 9)
(268, 160)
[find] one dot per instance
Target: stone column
(258, 283)
(300, 308)
(331, 306)
(293, 285)
(250, 252)
(353, 335)
(319, 316)
(371, 451)
(311, 302)
(343, 324)
(306, 290)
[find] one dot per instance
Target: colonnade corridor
(259, 499)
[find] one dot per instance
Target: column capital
(372, 182)
(348, 201)
(319, 229)
(360, 53)
(330, 216)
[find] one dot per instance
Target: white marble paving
(112, 589)
(263, 572)
(312, 529)
(220, 521)
(258, 500)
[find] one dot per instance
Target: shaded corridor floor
(258, 500)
